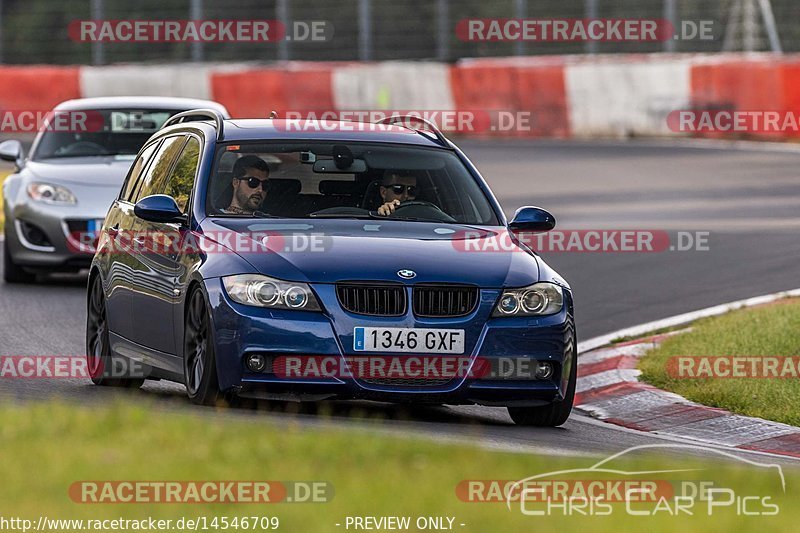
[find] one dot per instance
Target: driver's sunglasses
(400, 189)
(255, 182)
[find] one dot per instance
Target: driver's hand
(388, 208)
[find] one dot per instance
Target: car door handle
(113, 231)
(138, 240)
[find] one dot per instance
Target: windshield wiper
(415, 219)
(64, 156)
(343, 215)
(255, 214)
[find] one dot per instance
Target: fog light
(256, 362)
(544, 370)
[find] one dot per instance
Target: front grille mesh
(374, 300)
(444, 301)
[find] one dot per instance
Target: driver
(250, 180)
(396, 187)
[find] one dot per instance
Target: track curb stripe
(608, 389)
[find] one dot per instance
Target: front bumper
(242, 330)
(64, 245)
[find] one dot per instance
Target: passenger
(250, 180)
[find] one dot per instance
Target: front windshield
(109, 132)
(353, 180)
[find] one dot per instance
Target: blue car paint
(239, 329)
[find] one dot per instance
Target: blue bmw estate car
(264, 258)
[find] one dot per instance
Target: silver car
(58, 196)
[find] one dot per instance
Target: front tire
(556, 413)
(98, 347)
(12, 272)
(199, 358)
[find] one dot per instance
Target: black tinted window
(136, 171)
(154, 180)
(181, 179)
(431, 185)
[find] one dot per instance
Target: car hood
(107, 171)
(338, 250)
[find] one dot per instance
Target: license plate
(417, 340)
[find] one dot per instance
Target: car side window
(136, 171)
(181, 180)
(154, 179)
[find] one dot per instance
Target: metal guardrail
(36, 31)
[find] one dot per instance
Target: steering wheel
(424, 210)
(88, 147)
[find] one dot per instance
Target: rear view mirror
(327, 166)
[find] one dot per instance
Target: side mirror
(159, 208)
(532, 219)
(11, 150)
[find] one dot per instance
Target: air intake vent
(375, 300)
(408, 382)
(444, 300)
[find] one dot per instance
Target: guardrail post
(98, 52)
(365, 30)
(282, 14)
(196, 13)
(670, 14)
(590, 12)
(443, 30)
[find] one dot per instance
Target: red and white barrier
(620, 97)
(563, 96)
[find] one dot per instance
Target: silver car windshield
(97, 132)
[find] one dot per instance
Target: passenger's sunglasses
(400, 189)
(254, 183)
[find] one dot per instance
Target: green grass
(47, 447)
(766, 330)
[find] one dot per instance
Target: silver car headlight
(263, 291)
(51, 194)
(536, 300)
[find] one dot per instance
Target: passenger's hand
(388, 208)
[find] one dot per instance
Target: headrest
(337, 187)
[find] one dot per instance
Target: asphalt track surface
(748, 201)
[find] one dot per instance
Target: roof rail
(444, 141)
(212, 114)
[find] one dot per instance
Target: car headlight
(263, 291)
(51, 194)
(535, 300)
